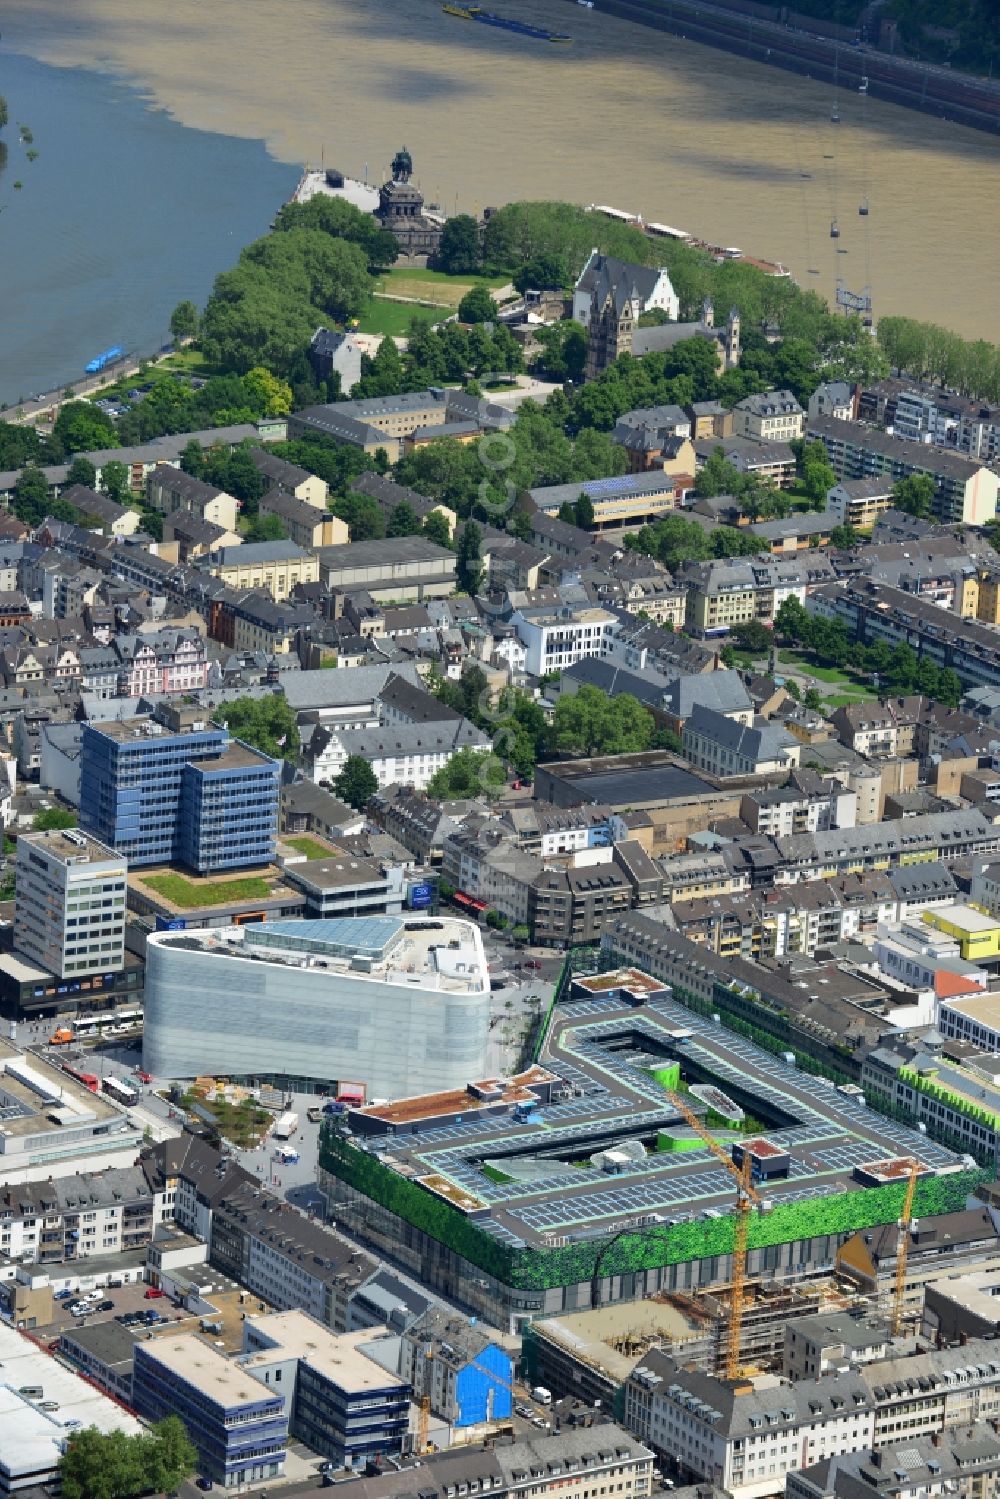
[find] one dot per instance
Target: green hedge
(647, 1249)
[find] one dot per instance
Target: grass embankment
(310, 847)
(183, 892)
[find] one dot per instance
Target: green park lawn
(182, 892)
(392, 319)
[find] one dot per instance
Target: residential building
(459, 1366)
(570, 907)
(874, 611)
(290, 478)
(276, 567)
(774, 416)
(387, 495)
(162, 661)
(825, 1343)
(69, 910)
(833, 398)
(178, 788)
(554, 639)
(965, 490)
(859, 502)
(411, 1012)
(336, 354)
(948, 836)
(79, 1217)
(97, 510)
(962, 1463)
(773, 462)
(869, 728)
(722, 746)
(722, 691)
(169, 488)
(742, 1436)
(339, 1398)
(304, 523)
(238, 1426)
(955, 1101)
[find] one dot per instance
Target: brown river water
(733, 151)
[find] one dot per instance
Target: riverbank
(934, 90)
(719, 144)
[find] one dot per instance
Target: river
(736, 152)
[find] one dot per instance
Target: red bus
(88, 1079)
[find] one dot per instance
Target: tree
(458, 252)
(51, 819)
(265, 528)
(31, 496)
(812, 700)
(115, 481)
(753, 636)
(914, 495)
(542, 273)
(477, 306)
(436, 528)
(81, 428)
(563, 350)
(81, 471)
(381, 374)
(268, 395)
(818, 477)
(583, 512)
(716, 476)
(357, 783)
(96, 1465)
(184, 320)
(470, 565)
(469, 773)
(588, 722)
(404, 521)
(363, 516)
(843, 538)
(267, 724)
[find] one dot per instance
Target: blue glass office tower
(181, 792)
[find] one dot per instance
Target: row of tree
(897, 669)
(930, 352)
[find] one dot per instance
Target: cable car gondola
(834, 229)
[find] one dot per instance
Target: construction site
(661, 1156)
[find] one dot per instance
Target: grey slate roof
(722, 691)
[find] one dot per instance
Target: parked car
(204, 1483)
(154, 1293)
(105, 1306)
(65, 1295)
(532, 963)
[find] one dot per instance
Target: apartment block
(965, 491)
(774, 416)
(69, 910)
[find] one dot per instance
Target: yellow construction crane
(747, 1198)
(903, 1247)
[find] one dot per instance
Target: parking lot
(125, 1301)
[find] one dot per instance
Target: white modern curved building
(399, 1005)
